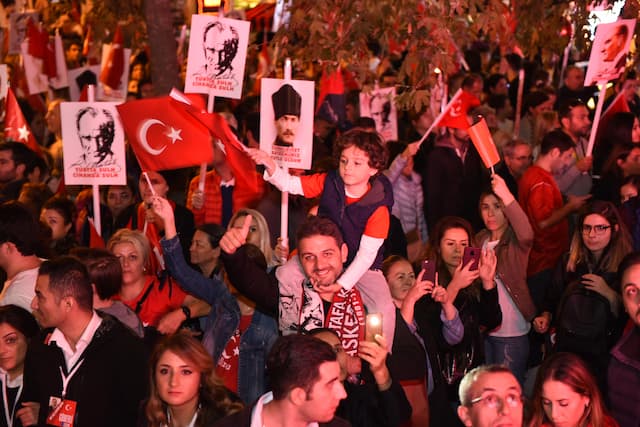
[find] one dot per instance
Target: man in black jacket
(87, 370)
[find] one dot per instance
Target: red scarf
(346, 317)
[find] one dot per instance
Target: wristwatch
(187, 312)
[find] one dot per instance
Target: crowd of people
(416, 287)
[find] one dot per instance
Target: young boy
(358, 198)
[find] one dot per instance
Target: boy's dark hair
(105, 270)
(369, 142)
(294, 361)
(18, 226)
(319, 226)
(68, 277)
(556, 139)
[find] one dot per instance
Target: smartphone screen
(471, 254)
(429, 268)
(373, 325)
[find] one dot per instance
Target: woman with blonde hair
(184, 389)
(159, 301)
(566, 394)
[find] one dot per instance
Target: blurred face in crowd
(132, 262)
(342, 356)
(158, 182)
(627, 192)
(400, 279)
(56, 223)
(321, 259)
(13, 349)
(501, 88)
(631, 164)
(562, 405)
(574, 79)
(201, 250)
(561, 159)
(520, 161)
(8, 170)
(53, 117)
(577, 124)
(631, 292)
(119, 197)
(452, 245)
(46, 306)
(492, 212)
(177, 380)
(596, 233)
(496, 401)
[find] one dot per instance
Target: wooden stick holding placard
(284, 201)
(95, 188)
(516, 125)
(596, 118)
(210, 105)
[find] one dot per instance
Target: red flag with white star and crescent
(456, 116)
(15, 125)
(164, 135)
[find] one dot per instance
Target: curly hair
(213, 399)
(368, 141)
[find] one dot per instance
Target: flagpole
(95, 188)
(203, 167)
(596, 118)
(516, 125)
(284, 201)
(440, 116)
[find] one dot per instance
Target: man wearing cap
(286, 110)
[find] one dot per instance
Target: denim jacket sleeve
(192, 281)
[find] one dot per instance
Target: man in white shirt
(306, 387)
(18, 245)
(86, 369)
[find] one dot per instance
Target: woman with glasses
(567, 395)
(583, 293)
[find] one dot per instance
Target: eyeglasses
(599, 229)
(492, 400)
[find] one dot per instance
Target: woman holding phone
(414, 360)
(509, 232)
(472, 291)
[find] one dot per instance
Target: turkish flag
(164, 135)
(49, 66)
(456, 115)
(111, 74)
(239, 161)
(15, 125)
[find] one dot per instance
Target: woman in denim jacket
(230, 320)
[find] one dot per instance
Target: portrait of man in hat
(286, 109)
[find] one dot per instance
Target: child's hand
(262, 158)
